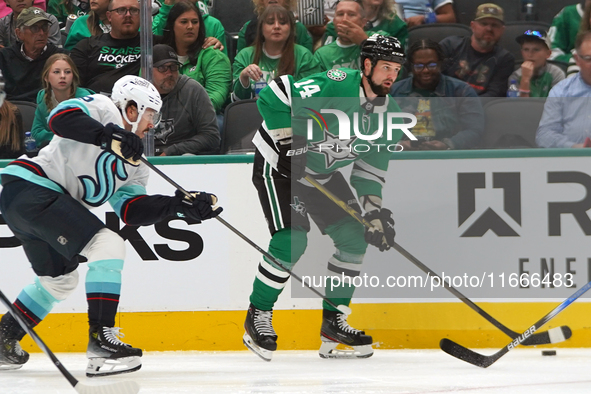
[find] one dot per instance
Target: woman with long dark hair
(185, 33)
(60, 82)
(274, 53)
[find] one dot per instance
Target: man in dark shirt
(102, 60)
(478, 59)
(22, 62)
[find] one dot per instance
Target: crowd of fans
(62, 49)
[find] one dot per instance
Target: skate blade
(105, 367)
(265, 354)
(328, 349)
(10, 367)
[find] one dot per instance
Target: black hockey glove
(381, 234)
(292, 158)
(200, 208)
(122, 143)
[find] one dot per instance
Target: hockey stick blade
(128, 387)
(537, 339)
(458, 351)
(114, 388)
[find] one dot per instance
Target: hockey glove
(381, 234)
(201, 207)
(122, 143)
(292, 158)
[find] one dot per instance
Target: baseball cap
(163, 54)
(30, 16)
(535, 35)
(489, 10)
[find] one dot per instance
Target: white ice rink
(388, 371)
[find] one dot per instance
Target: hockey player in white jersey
(92, 159)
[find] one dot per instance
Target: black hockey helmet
(378, 47)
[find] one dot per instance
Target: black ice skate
(260, 336)
(335, 330)
(107, 355)
(12, 356)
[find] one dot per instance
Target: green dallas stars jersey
(324, 105)
(563, 32)
(337, 55)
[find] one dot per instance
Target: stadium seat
(232, 13)
(242, 120)
(27, 110)
(546, 10)
(512, 123)
(514, 29)
(466, 9)
(437, 31)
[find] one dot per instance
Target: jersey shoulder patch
(336, 75)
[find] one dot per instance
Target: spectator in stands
(343, 52)
(60, 82)
(12, 136)
(381, 19)
(275, 53)
(215, 34)
(103, 59)
(185, 33)
(536, 76)
(22, 63)
(416, 11)
(585, 25)
(93, 24)
(5, 10)
(565, 121)
(62, 8)
(188, 124)
(564, 29)
(478, 59)
(8, 24)
(449, 113)
(247, 35)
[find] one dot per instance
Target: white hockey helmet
(142, 92)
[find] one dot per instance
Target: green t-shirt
(337, 55)
(214, 72)
(305, 65)
(79, 30)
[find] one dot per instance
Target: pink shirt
(4, 10)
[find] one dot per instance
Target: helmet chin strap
(134, 125)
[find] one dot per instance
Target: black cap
(163, 54)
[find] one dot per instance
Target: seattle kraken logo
(107, 168)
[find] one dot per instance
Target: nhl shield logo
(336, 75)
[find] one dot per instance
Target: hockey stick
(126, 387)
(470, 356)
(343, 308)
(557, 334)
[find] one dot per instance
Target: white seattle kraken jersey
(85, 171)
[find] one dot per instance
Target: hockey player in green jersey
(287, 151)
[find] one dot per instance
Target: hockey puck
(548, 352)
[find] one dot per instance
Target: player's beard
(380, 90)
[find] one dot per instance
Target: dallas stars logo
(298, 206)
(333, 148)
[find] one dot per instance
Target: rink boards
(509, 229)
